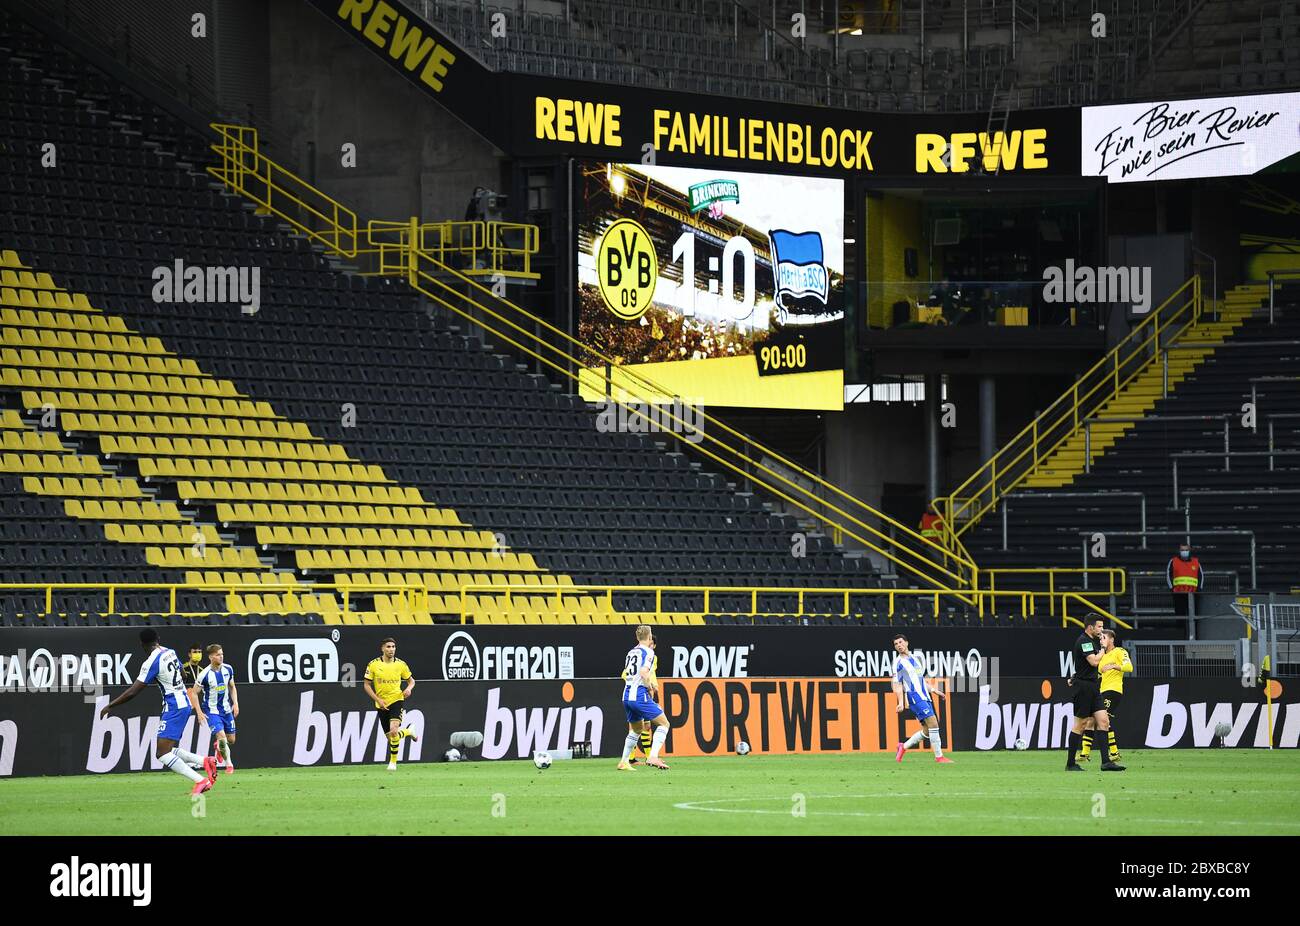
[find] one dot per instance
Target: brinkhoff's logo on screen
(464, 660)
(712, 195)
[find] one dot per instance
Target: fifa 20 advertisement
(720, 287)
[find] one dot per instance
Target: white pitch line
(695, 805)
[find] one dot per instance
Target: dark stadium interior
(357, 432)
(632, 418)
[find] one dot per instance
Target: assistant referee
(1088, 702)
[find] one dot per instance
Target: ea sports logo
(627, 268)
(460, 658)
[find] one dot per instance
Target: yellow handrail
(1021, 456)
(926, 568)
(466, 240)
(1026, 597)
(248, 172)
(416, 597)
(1110, 573)
(1097, 611)
(410, 260)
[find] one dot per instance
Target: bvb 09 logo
(627, 267)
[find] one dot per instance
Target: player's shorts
(395, 711)
(172, 723)
(641, 710)
(921, 708)
(221, 723)
(1111, 700)
(1087, 699)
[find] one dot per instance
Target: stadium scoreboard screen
(720, 287)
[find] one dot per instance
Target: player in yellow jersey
(1114, 663)
(1113, 666)
(643, 748)
(383, 684)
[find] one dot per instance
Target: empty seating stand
(338, 437)
(1225, 501)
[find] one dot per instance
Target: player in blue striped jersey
(219, 702)
(639, 704)
(914, 694)
(163, 667)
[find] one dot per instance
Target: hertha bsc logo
(799, 270)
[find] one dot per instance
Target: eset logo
(460, 657)
(294, 660)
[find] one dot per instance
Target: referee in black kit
(1088, 702)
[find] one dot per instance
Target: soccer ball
(1020, 744)
(742, 748)
(452, 755)
(542, 760)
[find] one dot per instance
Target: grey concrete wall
(870, 445)
(413, 158)
(299, 79)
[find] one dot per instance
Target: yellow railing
(401, 251)
(428, 277)
(504, 596)
(1011, 465)
(1089, 609)
(413, 597)
(1115, 577)
(248, 172)
(474, 249)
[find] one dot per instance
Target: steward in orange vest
(1185, 578)
(932, 526)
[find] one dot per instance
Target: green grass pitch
(1178, 792)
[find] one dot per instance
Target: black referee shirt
(1084, 647)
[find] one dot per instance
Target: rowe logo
(711, 661)
(103, 879)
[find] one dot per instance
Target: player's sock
(657, 742)
(1112, 743)
(225, 751)
(394, 744)
(188, 757)
(646, 737)
(628, 745)
(914, 740)
(935, 742)
(1074, 742)
(173, 762)
(1099, 741)
(405, 732)
(1085, 749)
